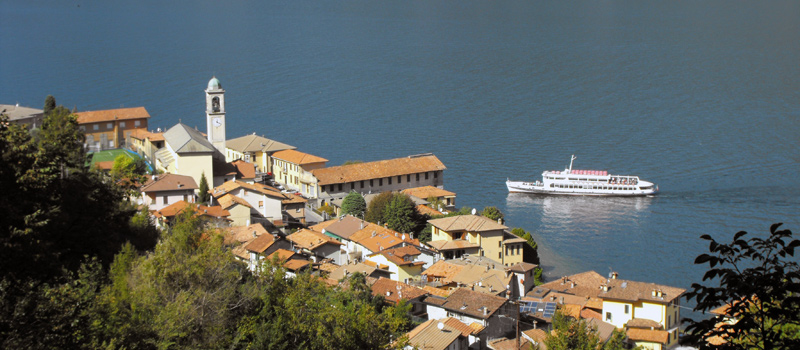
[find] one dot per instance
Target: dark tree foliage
(531, 252)
(354, 204)
(401, 214)
(49, 104)
(758, 281)
(492, 213)
(376, 207)
(572, 334)
(203, 196)
(56, 213)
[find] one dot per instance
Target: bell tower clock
(215, 114)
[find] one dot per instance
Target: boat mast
(570, 163)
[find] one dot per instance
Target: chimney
(254, 234)
(654, 292)
(485, 311)
(395, 234)
(573, 285)
(362, 224)
(614, 275)
(403, 237)
(388, 293)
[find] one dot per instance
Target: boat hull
(533, 188)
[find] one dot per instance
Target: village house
(109, 129)
(473, 234)
(292, 262)
(31, 118)
(495, 314)
(146, 143)
(476, 273)
(214, 215)
(394, 291)
(293, 169)
(262, 247)
(379, 176)
(649, 312)
(239, 236)
(187, 152)
(439, 335)
(254, 149)
(370, 272)
(236, 170)
(402, 262)
(316, 245)
(445, 197)
(264, 201)
(162, 190)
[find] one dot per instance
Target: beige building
(146, 143)
(187, 152)
(31, 118)
(379, 176)
(488, 236)
(108, 129)
(254, 149)
(293, 169)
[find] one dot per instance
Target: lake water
(701, 97)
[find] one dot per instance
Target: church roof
(214, 84)
(255, 143)
(184, 139)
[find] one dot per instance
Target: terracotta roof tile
(260, 244)
(426, 192)
(509, 344)
(112, 114)
(452, 244)
(296, 264)
(297, 157)
(200, 210)
(388, 289)
(620, 289)
(378, 169)
(244, 233)
(465, 329)
(311, 240)
(472, 303)
(142, 134)
(230, 200)
(585, 284)
(282, 254)
(647, 335)
(255, 143)
(443, 270)
(245, 170)
(169, 182)
(259, 188)
(471, 223)
(429, 336)
(643, 323)
(436, 291)
(426, 210)
(402, 256)
(377, 238)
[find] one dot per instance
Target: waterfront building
(473, 234)
(162, 190)
(255, 149)
(31, 118)
(445, 197)
(186, 151)
(109, 129)
(293, 169)
(146, 143)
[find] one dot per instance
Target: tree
(49, 104)
(759, 285)
(532, 253)
(350, 162)
(401, 214)
(571, 334)
(376, 207)
(203, 197)
(354, 204)
(492, 213)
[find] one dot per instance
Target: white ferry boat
(584, 183)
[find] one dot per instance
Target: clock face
(217, 121)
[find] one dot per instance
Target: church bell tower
(215, 114)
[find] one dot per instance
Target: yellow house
(254, 149)
(402, 262)
(488, 235)
(239, 208)
(649, 312)
(293, 169)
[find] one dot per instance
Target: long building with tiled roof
(106, 129)
(379, 176)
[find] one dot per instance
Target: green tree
(377, 206)
(354, 204)
(350, 162)
(571, 334)
(759, 281)
(492, 213)
(531, 250)
(204, 196)
(49, 104)
(401, 214)
(126, 167)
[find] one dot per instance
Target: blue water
(701, 97)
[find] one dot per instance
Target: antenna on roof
(474, 211)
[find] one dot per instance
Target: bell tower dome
(215, 114)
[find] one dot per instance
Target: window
(352, 185)
(390, 180)
(260, 204)
(83, 128)
(109, 125)
(506, 250)
(185, 198)
(628, 309)
(426, 175)
(499, 255)
(166, 199)
(669, 320)
(370, 183)
(340, 187)
(408, 178)
(121, 124)
(417, 176)
(362, 183)
(380, 182)
(137, 123)
(435, 174)
(499, 243)
(608, 317)
(96, 127)
(399, 179)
